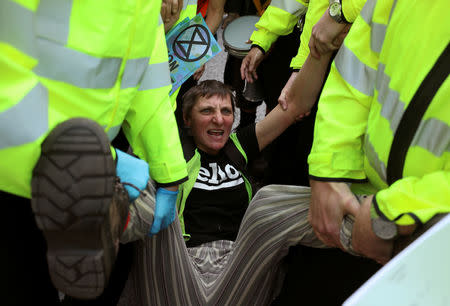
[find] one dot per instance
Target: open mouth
(215, 132)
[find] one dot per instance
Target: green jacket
(232, 149)
(372, 80)
(105, 60)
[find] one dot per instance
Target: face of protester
(210, 122)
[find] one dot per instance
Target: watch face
(335, 9)
(385, 230)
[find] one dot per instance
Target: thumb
(282, 101)
(156, 226)
(352, 207)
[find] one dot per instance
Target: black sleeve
(248, 140)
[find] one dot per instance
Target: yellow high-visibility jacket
(316, 9)
(281, 17)
(390, 49)
(278, 19)
(101, 59)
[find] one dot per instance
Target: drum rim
(227, 44)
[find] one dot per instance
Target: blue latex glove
(165, 210)
(132, 170)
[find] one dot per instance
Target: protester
(57, 63)
(383, 126)
(227, 262)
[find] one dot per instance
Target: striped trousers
(243, 272)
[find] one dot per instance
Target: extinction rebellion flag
(190, 45)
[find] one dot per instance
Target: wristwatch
(335, 11)
(383, 228)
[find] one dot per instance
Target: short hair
(206, 89)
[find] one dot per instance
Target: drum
(237, 33)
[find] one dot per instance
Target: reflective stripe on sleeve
(44, 35)
(378, 30)
(355, 72)
(76, 68)
(27, 120)
(134, 71)
(433, 135)
(291, 6)
(392, 108)
(156, 76)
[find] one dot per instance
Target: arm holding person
(313, 17)
(335, 20)
(311, 78)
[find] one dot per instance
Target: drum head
(237, 33)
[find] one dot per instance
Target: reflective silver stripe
(79, 69)
(378, 30)
(392, 108)
(27, 120)
(373, 158)
(189, 2)
(134, 71)
(16, 27)
(291, 6)
(56, 61)
(356, 73)
(156, 76)
(160, 22)
(52, 20)
(377, 37)
(113, 131)
(367, 11)
(434, 136)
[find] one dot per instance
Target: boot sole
(72, 193)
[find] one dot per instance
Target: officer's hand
(250, 63)
(132, 170)
(364, 240)
(330, 201)
(165, 210)
(326, 35)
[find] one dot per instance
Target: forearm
(275, 123)
(300, 97)
(306, 87)
(215, 14)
